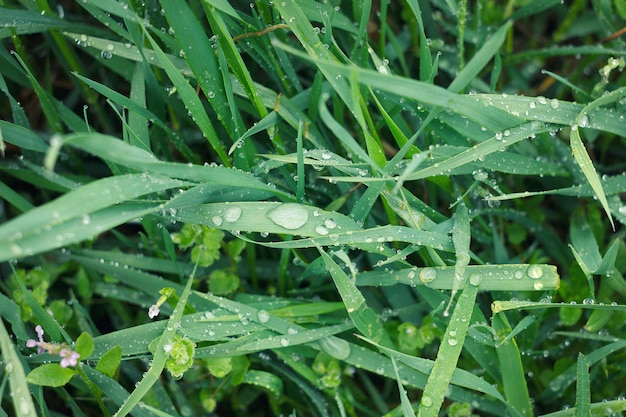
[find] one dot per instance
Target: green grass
(337, 208)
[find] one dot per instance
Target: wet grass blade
(363, 317)
(583, 387)
(513, 376)
(585, 164)
(449, 352)
(191, 101)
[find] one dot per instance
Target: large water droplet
(428, 275)
(535, 271)
(289, 215)
(335, 347)
(475, 279)
(232, 214)
(284, 342)
(426, 401)
(217, 220)
(263, 316)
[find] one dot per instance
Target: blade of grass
(513, 376)
(363, 317)
(459, 377)
(583, 387)
(449, 351)
(158, 362)
(584, 162)
(191, 101)
(22, 400)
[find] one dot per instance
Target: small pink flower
(32, 342)
(70, 358)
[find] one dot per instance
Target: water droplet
(428, 275)
(538, 286)
(498, 135)
(289, 215)
(475, 279)
(535, 271)
(217, 220)
(589, 301)
(622, 210)
(518, 274)
(232, 214)
(263, 316)
(335, 347)
(453, 342)
(86, 219)
(292, 330)
(426, 401)
(16, 250)
(326, 155)
(321, 230)
(284, 342)
(554, 103)
(330, 223)
(532, 105)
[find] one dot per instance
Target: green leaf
(50, 375)
(223, 282)
(84, 345)
(219, 367)
(110, 361)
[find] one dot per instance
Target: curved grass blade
(584, 162)
(160, 355)
(80, 214)
(363, 317)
